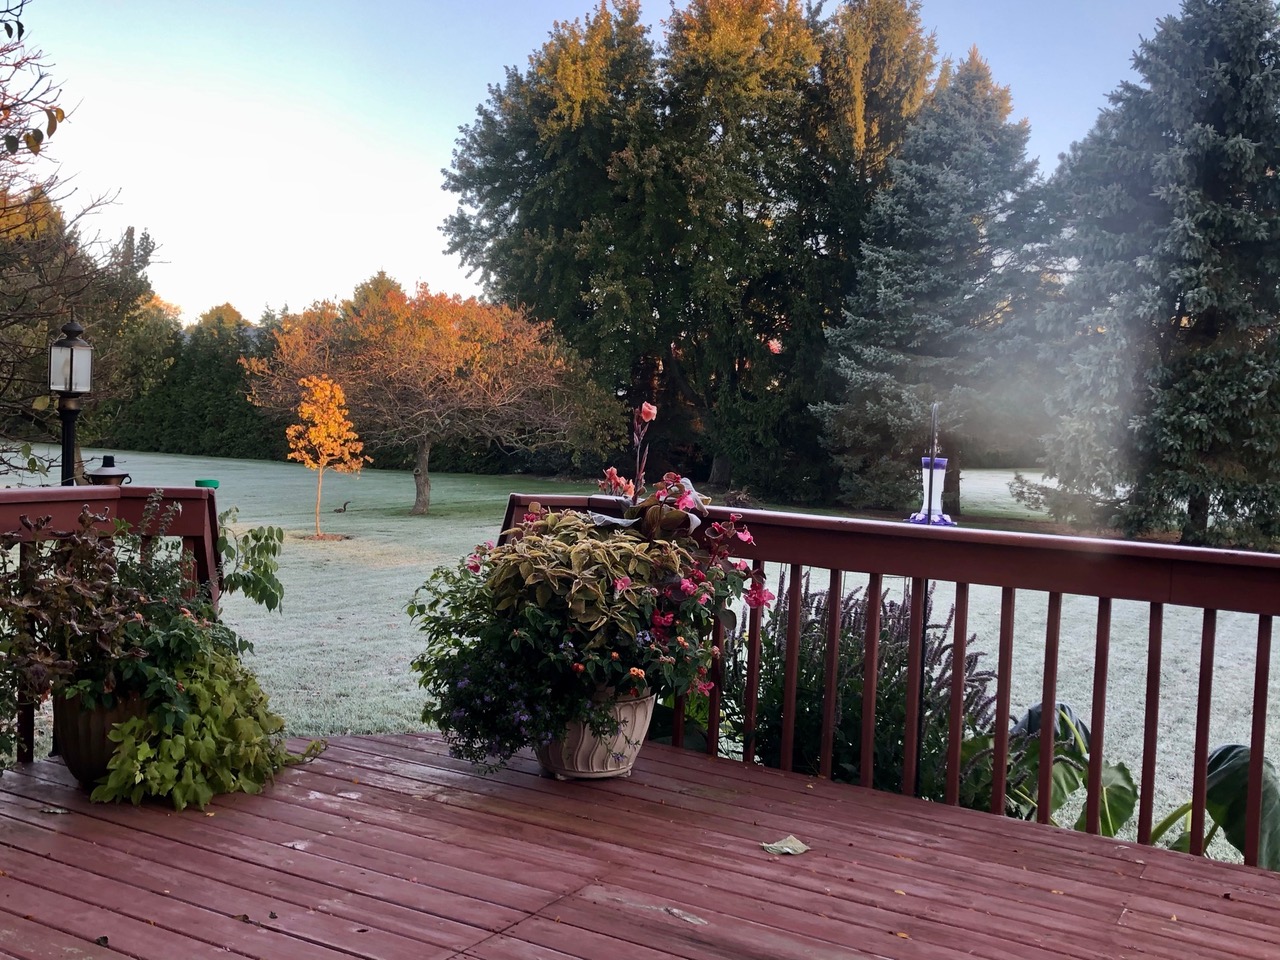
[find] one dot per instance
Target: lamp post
(70, 369)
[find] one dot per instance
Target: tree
(432, 369)
(684, 216)
(325, 439)
(943, 276)
(199, 404)
(1168, 336)
(45, 268)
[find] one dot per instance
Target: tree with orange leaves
(325, 438)
(432, 368)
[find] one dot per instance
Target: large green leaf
(1227, 795)
(1118, 798)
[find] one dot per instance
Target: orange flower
(637, 673)
(614, 655)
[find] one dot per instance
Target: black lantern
(70, 377)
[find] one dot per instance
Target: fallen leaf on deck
(904, 936)
(54, 810)
(787, 844)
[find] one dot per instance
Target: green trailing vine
(228, 740)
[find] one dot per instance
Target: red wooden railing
(195, 521)
(1107, 570)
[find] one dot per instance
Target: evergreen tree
(942, 277)
(1169, 405)
(200, 407)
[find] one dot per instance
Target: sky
(280, 152)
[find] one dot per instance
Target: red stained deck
(386, 848)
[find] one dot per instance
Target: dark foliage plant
(95, 618)
(891, 689)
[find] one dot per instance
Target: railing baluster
(1004, 684)
(677, 723)
(791, 667)
(1151, 723)
(915, 681)
(755, 617)
(1098, 718)
(830, 693)
(716, 676)
(955, 730)
(1049, 709)
(870, 674)
(26, 708)
(1257, 744)
(1204, 698)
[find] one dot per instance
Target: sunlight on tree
(325, 438)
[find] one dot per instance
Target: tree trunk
(951, 487)
(721, 472)
(319, 481)
(422, 481)
(1195, 528)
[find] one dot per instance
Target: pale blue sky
(281, 151)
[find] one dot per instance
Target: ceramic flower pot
(82, 734)
(580, 754)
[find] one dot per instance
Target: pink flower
(741, 566)
(648, 411)
(473, 563)
(745, 536)
(775, 346)
(704, 599)
(621, 584)
(688, 586)
(705, 687)
(686, 501)
(758, 596)
(663, 619)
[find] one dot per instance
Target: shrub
(891, 690)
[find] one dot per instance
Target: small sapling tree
(325, 438)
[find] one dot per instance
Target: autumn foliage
(430, 368)
(325, 439)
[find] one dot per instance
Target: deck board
(386, 847)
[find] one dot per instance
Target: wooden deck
(386, 848)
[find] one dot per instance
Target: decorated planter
(580, 754)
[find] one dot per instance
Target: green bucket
(211, 484)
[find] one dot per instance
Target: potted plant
(560, 639)
(149, 696)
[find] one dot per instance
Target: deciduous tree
(433, 368)
(325, 439)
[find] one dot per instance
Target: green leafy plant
(249, 563)
(95, 618)
(225, 740)
(891, 690)
(523, 638)
(1118, 797)
(1226, 794)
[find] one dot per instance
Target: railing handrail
(195, 520)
